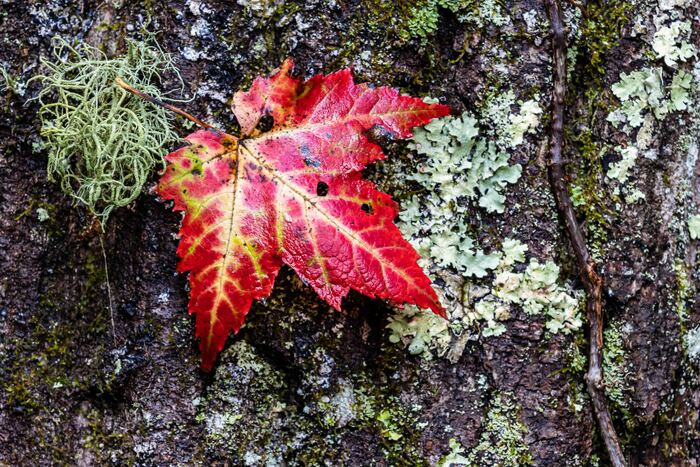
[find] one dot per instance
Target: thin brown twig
(122, 84)
(592, 281)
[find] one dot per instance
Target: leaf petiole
(124, 85)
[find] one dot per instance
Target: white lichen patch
(694, 226)
(692, 342)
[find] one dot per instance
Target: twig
(109, 288)
(122, 84)
(592, 281)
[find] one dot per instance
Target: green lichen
(460, 164)
(683, 291)
(103, 142)
(645, 97)
(422, 332)
(536, 290)
(620, 170)
(643, 91)
(694, 226)
(670, 45)
(506, 127)
(501, 443)
(616, 369)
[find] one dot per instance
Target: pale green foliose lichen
(462, 165)
(694, 226)
(643, 91)
(647, 95)
(536, 291)
(466, 161)
(506, 127)
(620, 170)
(669, 44)
(422, 332)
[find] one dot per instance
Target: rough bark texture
(301, 384)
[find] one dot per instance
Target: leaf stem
(122, 84)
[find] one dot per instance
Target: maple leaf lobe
(293, 195)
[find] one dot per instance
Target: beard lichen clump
(102, 141)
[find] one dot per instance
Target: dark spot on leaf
(265, 123)
(196, 172)
(309, 160)
(312, 162)
(380, 135)
(367, 208)
(322, 189)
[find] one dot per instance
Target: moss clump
(103, 142)
(600, 32)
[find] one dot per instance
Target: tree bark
(302, 384)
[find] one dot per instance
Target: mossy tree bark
(302, 384)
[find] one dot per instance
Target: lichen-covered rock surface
(498, 383)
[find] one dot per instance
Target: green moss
(600, 31)
(501, 443)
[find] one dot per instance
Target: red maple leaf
(293, 194)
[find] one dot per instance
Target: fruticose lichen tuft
(103, 142)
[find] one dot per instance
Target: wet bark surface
(302, 384)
